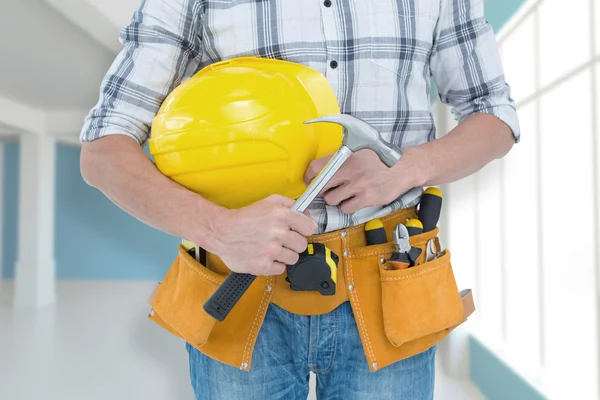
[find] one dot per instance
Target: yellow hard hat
(235, 133)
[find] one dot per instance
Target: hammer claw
(359, 135)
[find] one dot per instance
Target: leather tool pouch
(177, 305)
(399, 313)
(181, 295)
(420, 300)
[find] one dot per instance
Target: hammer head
(359, 135)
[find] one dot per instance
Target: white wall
(1, 208)
(529, 223)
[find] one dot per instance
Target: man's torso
(375, 55)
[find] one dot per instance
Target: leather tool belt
(399, 313)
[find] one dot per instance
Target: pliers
(432, 249)
(405, 256)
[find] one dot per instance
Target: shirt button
(333, 64)
(327, 3)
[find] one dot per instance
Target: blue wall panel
(498, 12)
(94, 238)
(495, 379)
(10, 209)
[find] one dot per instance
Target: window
(533, 256)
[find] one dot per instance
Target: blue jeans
(289, 346)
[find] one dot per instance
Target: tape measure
(316, 270)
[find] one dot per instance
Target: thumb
(280, 200)
(288, 203)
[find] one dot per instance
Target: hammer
(357, 135)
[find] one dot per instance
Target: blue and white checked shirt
(379, 56)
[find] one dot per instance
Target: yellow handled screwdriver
(414, 227)
(375, 232)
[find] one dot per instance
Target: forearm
(118, 167)
(466, 149)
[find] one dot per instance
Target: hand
(364, 181)
(262, 238)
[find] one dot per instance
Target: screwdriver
(414, 226)
(375, 232)
(430, 208)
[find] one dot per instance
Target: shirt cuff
(508, 115)
(96, 128)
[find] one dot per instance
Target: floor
(96, 343)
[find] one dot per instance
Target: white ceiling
(47, 61)
(117, 11)
(8, 134)
(101, 19)
(7, 131)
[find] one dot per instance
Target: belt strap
(466, 297)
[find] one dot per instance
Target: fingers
(280, 200)
(295, 242)
(277, 268)
(352, 205)
(336, 196)
(333, 183)
(302, 224)
(287, 256)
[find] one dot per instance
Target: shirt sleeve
(161, 47)
(466, 66)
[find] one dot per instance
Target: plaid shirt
(380, 57)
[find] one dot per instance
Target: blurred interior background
(524, 232)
